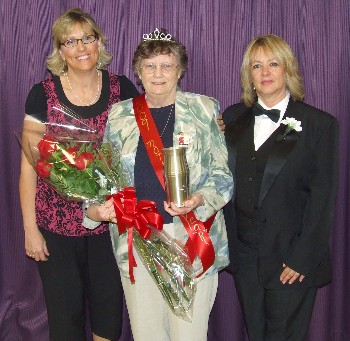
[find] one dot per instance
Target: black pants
(272, 314)
(81, 270)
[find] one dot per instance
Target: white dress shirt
(264, 126)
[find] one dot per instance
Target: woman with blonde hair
(76, 265)
(284, 157)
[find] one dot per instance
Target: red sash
(199, 242)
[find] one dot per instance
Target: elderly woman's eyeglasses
(165, 67)
(74, 42)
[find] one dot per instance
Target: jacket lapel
(233, 134)
(281, 149)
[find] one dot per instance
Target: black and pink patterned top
(52, 211)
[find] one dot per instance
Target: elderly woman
(180, 118)
(284, 155)
(75, 265)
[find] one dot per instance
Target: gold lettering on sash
(142, 113)
(155, 149)
(144, 120)
(196, 228)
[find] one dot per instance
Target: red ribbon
(199, 242)
(130, 215)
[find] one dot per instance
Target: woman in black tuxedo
(284, 157)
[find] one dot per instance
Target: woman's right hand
(35, 244)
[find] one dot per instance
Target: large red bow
(130, 214)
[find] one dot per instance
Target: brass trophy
(176, 175)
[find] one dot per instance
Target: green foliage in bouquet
(80, 170)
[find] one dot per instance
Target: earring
(64, 65)
(99, 63)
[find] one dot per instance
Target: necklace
(167, 121)
(98, 90)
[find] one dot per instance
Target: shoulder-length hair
(151, 48)
(60, 30)
(283, 54)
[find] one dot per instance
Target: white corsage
(292, 124)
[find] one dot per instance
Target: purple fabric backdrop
(215, 33)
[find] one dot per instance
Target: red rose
(47, 146)
(69, 155)
(43, 168)
(83, 160)
(87, 155)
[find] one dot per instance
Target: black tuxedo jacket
(296, 198)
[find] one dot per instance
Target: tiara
(156, 35)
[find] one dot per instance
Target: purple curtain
(216, 34)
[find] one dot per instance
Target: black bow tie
(273, 114)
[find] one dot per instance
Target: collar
(282, 105)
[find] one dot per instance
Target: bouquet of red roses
(79, 170)
(73, 159)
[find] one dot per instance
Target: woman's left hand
(290, 276)
(190, 204)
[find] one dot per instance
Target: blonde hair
(283, 54)
(60, 30)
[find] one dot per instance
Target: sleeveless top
(54, 213)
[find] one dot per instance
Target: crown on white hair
(156, 35)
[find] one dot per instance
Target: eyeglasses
(74, 42)
(165, 67)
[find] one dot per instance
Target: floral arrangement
(72, 157)
(79, 170)
(292, 124)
